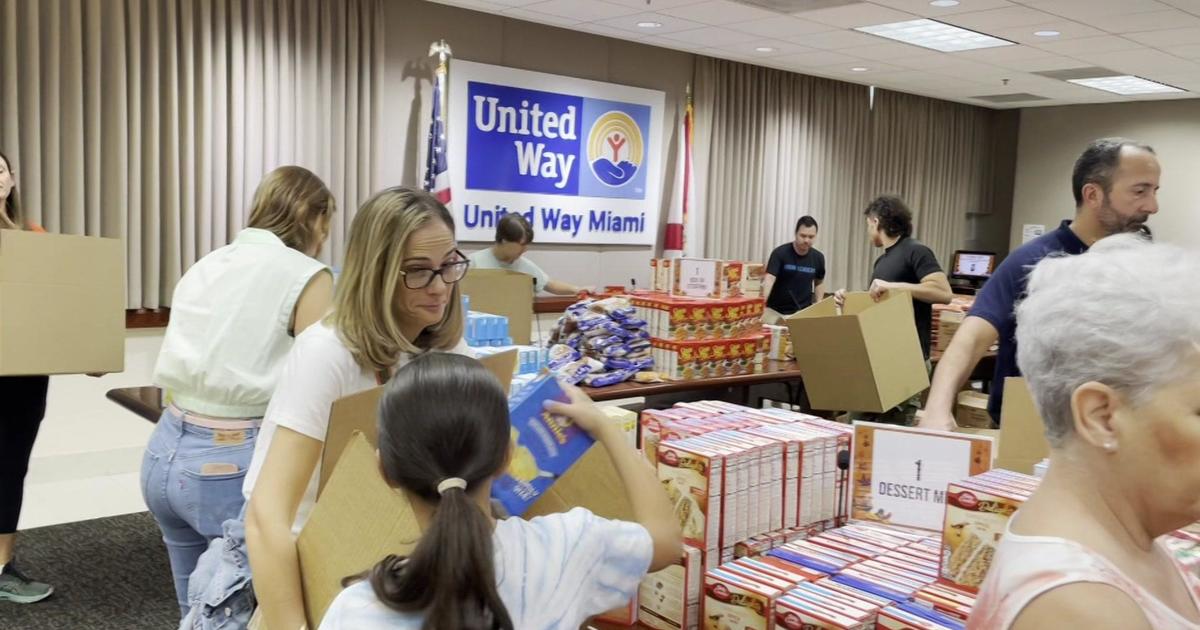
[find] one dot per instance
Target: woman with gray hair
(1110, 344)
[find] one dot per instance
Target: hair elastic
(451, 482)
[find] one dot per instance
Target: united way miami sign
(579, 159)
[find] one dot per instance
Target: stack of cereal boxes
(977, 513)
(706, 277)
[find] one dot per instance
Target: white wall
(1052, 137)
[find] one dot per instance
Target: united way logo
(615, 148)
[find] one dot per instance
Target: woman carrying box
(22, 406)
(397, 297)
(1120, 398)
(234, 316)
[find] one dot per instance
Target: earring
(1110, 447)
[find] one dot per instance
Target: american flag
(683, 198)
(437, 177)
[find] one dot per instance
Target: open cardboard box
(62, 304)
(359, 519)
(866, 359)
(502, 292)
(1021, 437)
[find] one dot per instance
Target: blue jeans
(188, 504)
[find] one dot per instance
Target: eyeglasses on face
(419, 278)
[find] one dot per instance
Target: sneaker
(15, 587)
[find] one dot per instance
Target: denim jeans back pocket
(214, 496)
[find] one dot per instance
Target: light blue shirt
(552, 572)
(485, 259)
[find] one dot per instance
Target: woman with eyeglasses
(397, 297)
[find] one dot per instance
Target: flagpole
(437, 177)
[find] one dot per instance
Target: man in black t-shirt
(906, 265)
(795, 274)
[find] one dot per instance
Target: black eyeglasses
(450, 273)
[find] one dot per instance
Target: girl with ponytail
(443, 438)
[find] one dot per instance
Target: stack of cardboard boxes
(706, 277)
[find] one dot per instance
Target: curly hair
(895, 219)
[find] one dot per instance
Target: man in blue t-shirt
(795, 274)
(1115, 182)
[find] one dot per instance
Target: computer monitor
(974, 266)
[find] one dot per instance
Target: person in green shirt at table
(513, 236)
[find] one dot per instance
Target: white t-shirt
(485, 259)
(318, 371)
(552, 572)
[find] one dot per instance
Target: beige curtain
(154, 120)
(773, 146)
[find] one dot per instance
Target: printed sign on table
(579, 159)
(900, 473)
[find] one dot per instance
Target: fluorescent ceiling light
(1047, 33)
(1127, 84)
(764, 49)
(649, 24)
(934, 35)
(941, 4)
(859, 69)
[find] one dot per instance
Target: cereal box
(543, 447)
(696, 277)
(732, 602)
(795, 613)
(752, 279)
(731, 279)
(670, 599)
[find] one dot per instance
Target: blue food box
(544, 446)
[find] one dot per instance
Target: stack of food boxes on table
(947, 318)
(486, 330)
(601, 342)
(706, 277)
(977, 512)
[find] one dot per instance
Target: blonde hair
(289, 202)
(363, 304)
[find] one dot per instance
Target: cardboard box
(694, 478)
(867, 359)
(62, 304)
(505, 293)
(752, 279)
(1022, 433)
(731, 279)
(976, 519)
(696, 277)
(972, 410)
(731, 601)
(670, 599)
(948, 323)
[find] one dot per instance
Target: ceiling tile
(924, 9)
(855, 15)
(1190, 82)
(819, 59)
(478, 5)
(1190, 51)
(711, 36)
(1191, 6)
(925, 62)
(888, 51)
(749, 50)
(834, 40)
(1151, 21)
(608, 31)
(719, 12)
(1104, 43)
(1002, 54)
(1066, 29)
(971, 70)
(1042, 64)
(1144, 62)
(1085, 10)
(670, 24)
(656, 5)
(874, 70)
(998, 19)
(1172, 37)
(782, 27)
(590, 11)
(541, 18)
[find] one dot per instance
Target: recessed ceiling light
(764, 49)
(1126, 84)
(1047, 33)
(859, 69)
(649, 24)
(934, 35)
(944, 3)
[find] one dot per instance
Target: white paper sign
(1031, 231)
(901, 473)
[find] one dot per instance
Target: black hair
(806, 221)
(514, 228)
(895, 219)
(12, 205)
(1097, 163)
(444, 416)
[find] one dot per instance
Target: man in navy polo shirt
(1115, 182)
(795, 274)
